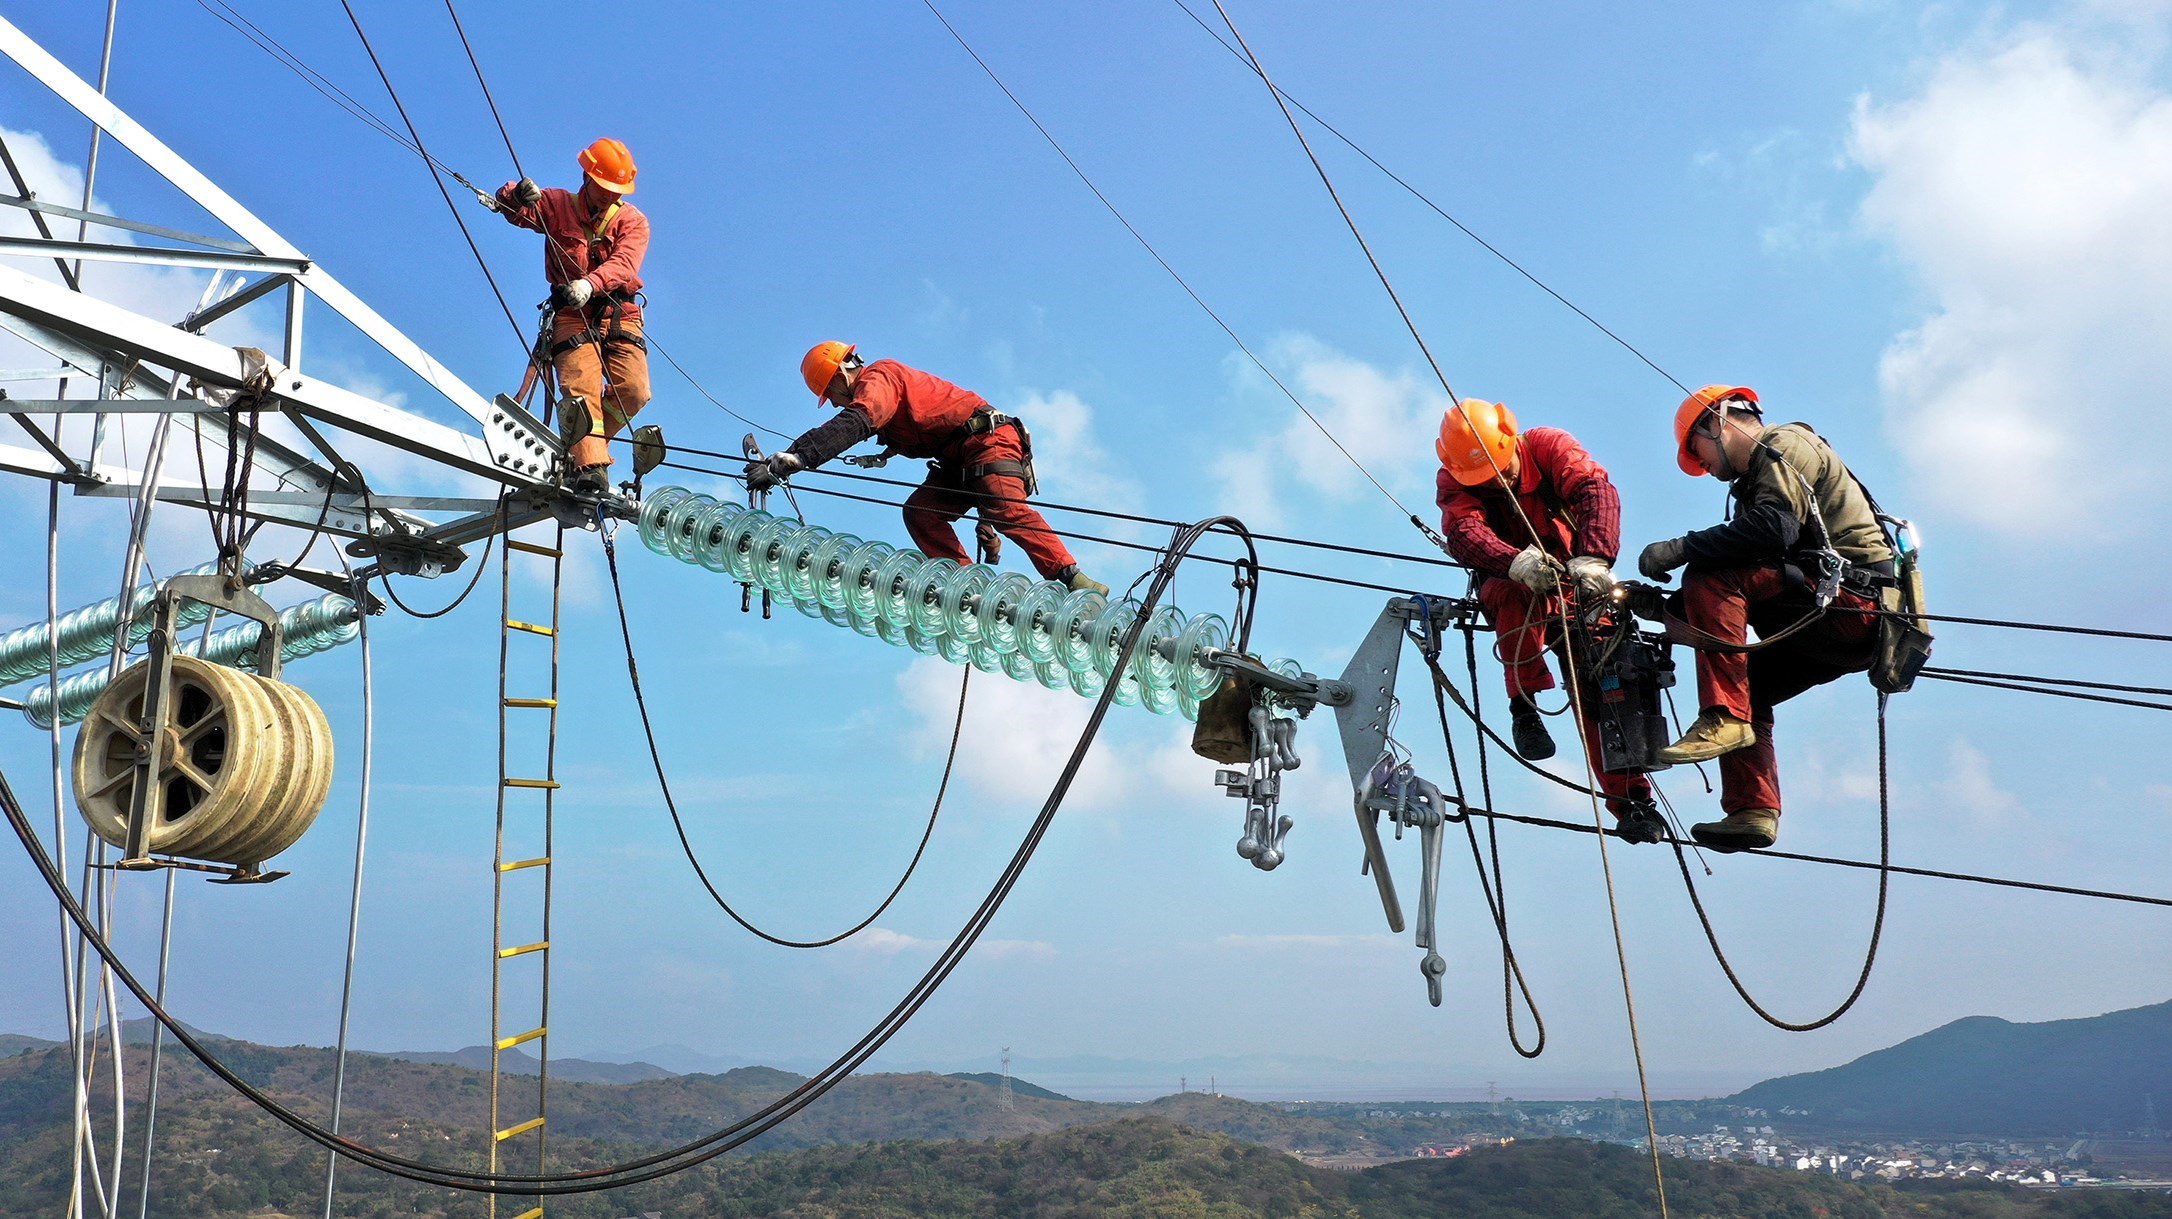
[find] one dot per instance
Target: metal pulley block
(188, 758)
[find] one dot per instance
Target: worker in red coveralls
(1561, 491)
(1798, 517)
(593, 243)
(980, 459)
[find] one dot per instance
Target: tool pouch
(1224, 731)
(1904, 640)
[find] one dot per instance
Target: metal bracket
(410, 555)
(1301, 694)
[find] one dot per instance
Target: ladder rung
(537, 1213)
(521, 1039)
(515, 624)
(531, 702)
(548, 552)
(546, 784)
(538, 946)
(517, 864)
(516, 1131)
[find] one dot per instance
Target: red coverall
(597, 351)
(922, 415)
(1567, 495)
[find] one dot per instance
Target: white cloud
(1017, 736)
(1971, 794)
(1289, 943)
(1068, 457)
(1016, 950)
(1382, 419)
(2026, 183)
(881, 941)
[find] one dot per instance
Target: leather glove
(1659, 558)
(1535, 569)
(527, 193)
(991, 542)
(573, 295)
(1594, 578)
(765, 472)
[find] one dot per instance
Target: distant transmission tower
(1005, 1098)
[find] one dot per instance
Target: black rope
(1877, 924)
(384, 573)
(687, 1155)
(1496, 906)
(1054, 506)
(633, 676)
(1952, 676)
(715, 401)
(1934, 671)
(2110, 895)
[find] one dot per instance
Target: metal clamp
(758, 500)
(1394, 789)
(1274, 750)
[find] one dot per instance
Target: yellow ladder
(527, 794)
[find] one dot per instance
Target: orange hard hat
(1694, 408)
(608, 165)
(1477, 440)
(819, 366)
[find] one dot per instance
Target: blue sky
(1934, 231)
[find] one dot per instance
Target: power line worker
(1560, 489)
(593, 244)
(1800, 520)
(980, 459)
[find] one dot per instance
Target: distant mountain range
(1987, 1076)
(1977, 1076)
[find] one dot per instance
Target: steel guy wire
(492, 101)
(1398, 179)
(520, 336)
(1180, 280)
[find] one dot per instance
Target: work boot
(1714, 733)
(1749, 829)
(1075, 580)
(1637, 820)
(1528, 729)
(591, 480)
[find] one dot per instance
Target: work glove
(573, 295)
(1594, 578)
(1659, 558)
(527, 193)
(765, 472)
(1535, 569)
(991, 542)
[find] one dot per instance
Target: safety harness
(609, 327)
(986, 420)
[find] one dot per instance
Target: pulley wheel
(244, 762)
